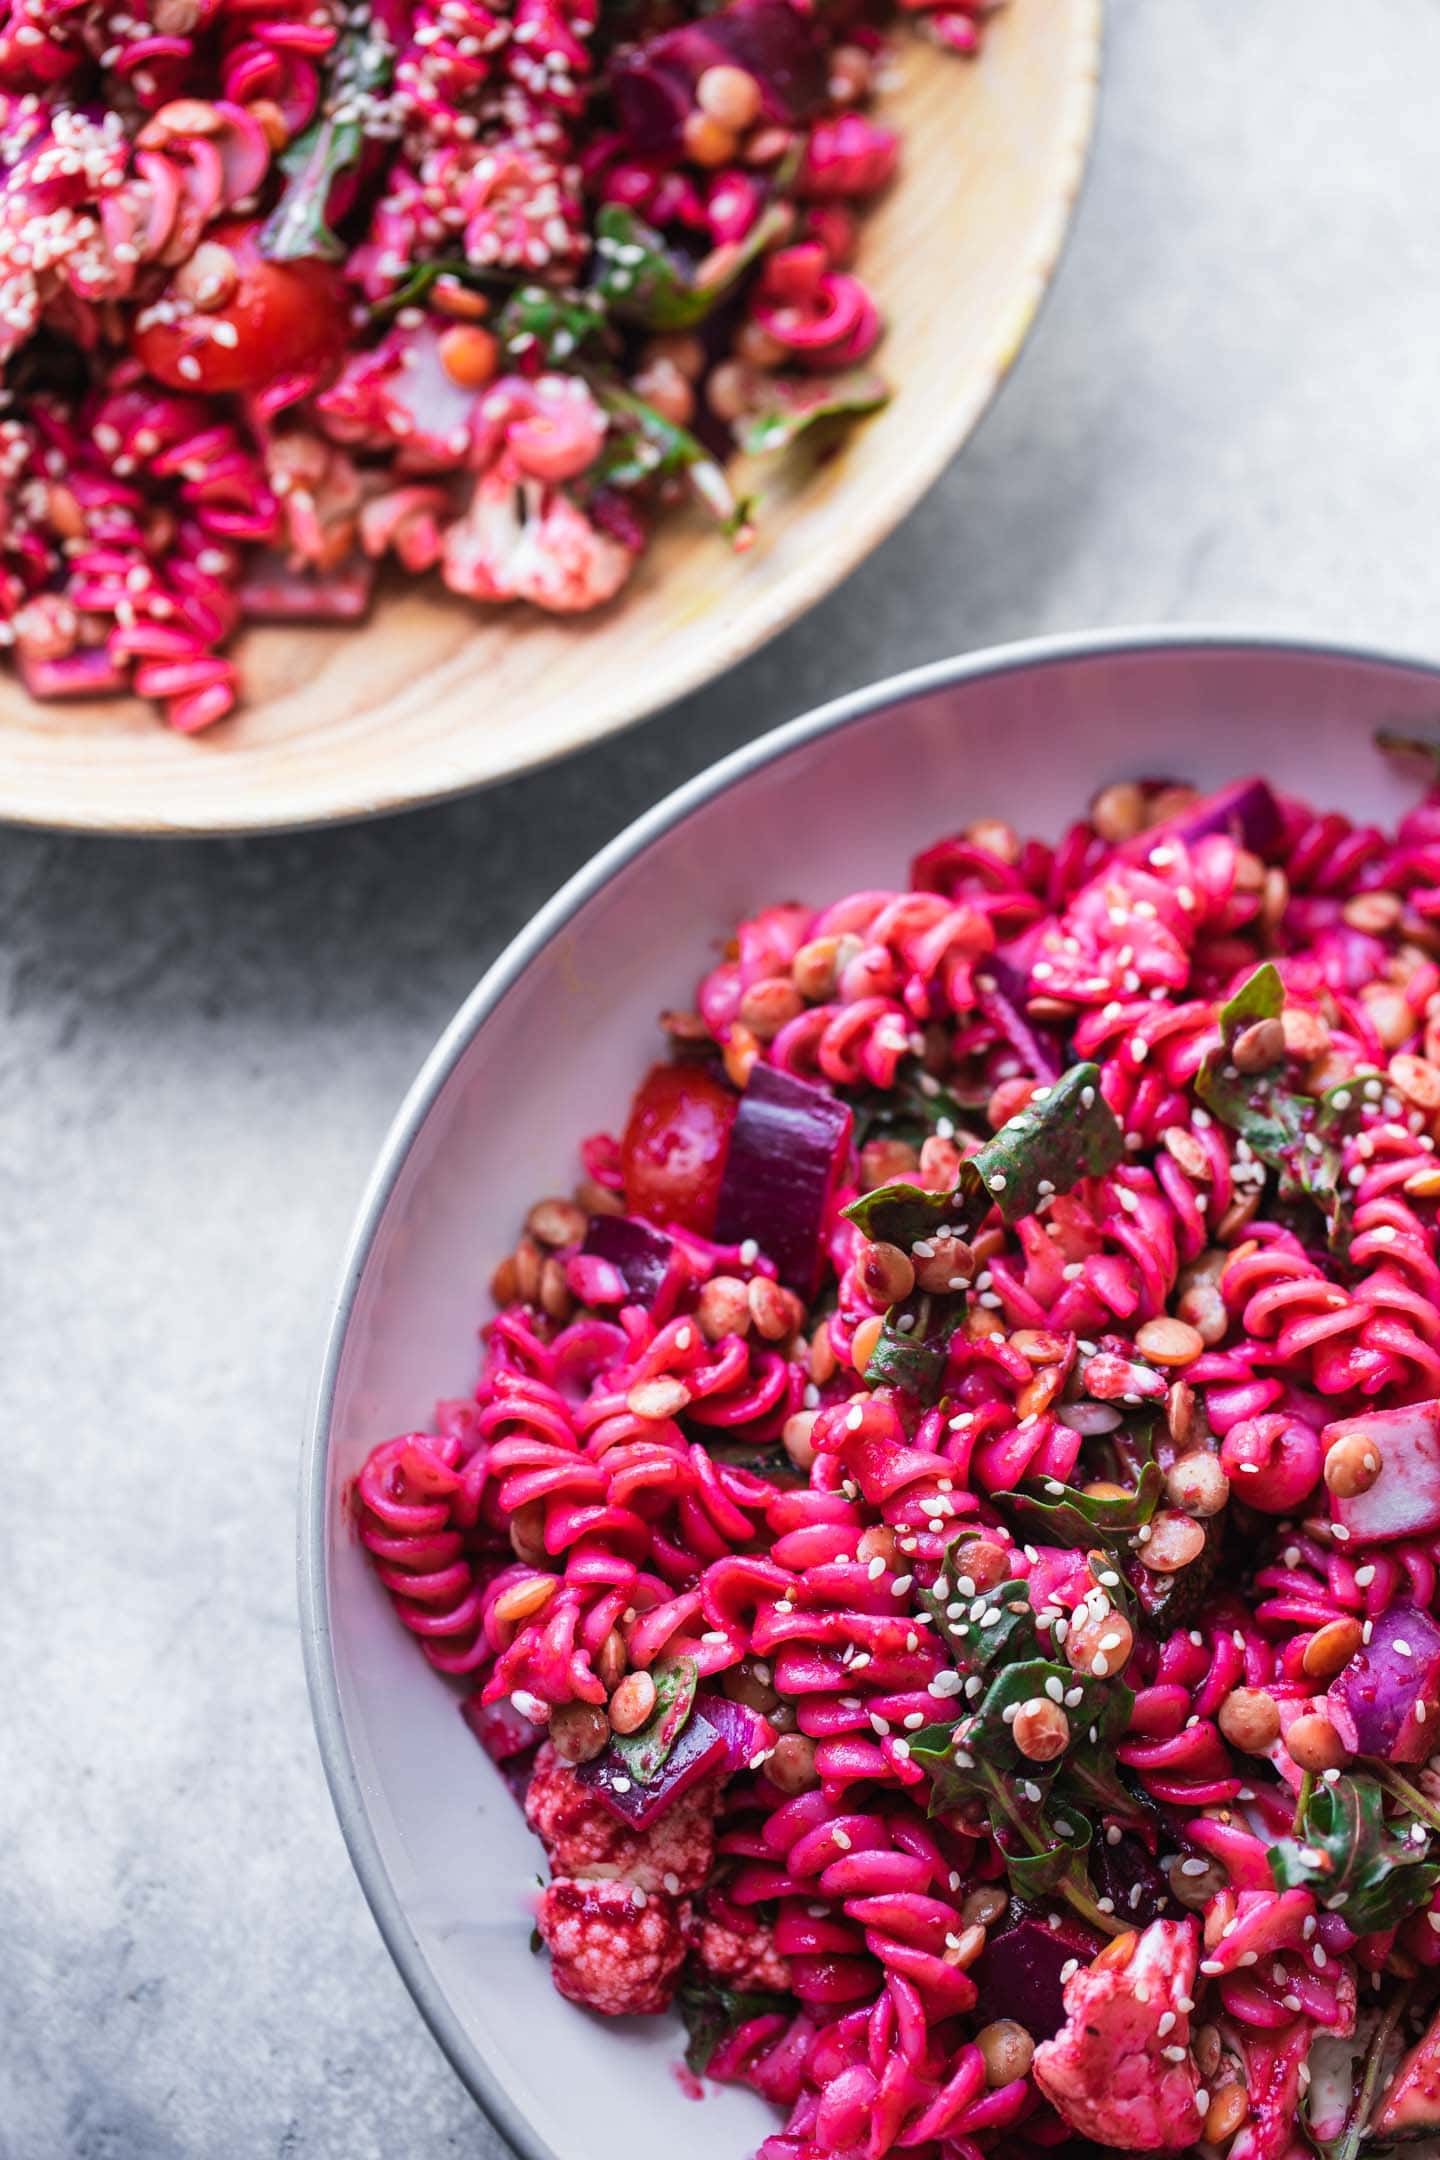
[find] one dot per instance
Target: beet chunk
(1018, 1974)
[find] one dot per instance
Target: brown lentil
(1352, 1465)
(864, 1341)
(1008, 1100)
(1099, 1646)
(1205, 2045)
(1197, 1485)
(750, 1682)
(1169, 1342)
(776, 1311)
(1306, 1034)
(633, 1703)
(522, 1599)
(1390, 1015)
(1041, 1729)
(707, 140)
(555, 1299)
(1182, 1414)
(1373, 912)
(799, 1445)
(526, 1530)
(1194, 1891)
(966, 1947)
(1417, 1080)
(580, 1731)
(1250, 1720)
(886, 1274)
(1174, 1542)
(882, 1162)
(983, 1907)
(877, 1543)
(1008, 2051)
(768, 1006)
(791, 1768)
(1118, 812)
(949, 1260)
(730, 95)
(996, 837)
(723, 1307)
(1258, 1047)
(1314, 1744)
(597, 1199)
(610, 1661)
(660, 1398)
(823, 1361)
(739, 1054)
(1425, 1184)
(982, 1563)
(1331, 1648)
(672, 394)
(469, 354)
(1185, 1149)
(1117, 1953)
(1227, 2110)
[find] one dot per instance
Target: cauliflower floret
(582, 1838)
(745, 1957)
(611, 1947)
(522, 540)
(1120, 2070)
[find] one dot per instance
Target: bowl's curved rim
(504, 972)
(949, 435)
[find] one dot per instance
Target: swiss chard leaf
(560, 324)
(1353, 1860)
(914, 1108)
(914, 1345)
(794, 404)
(1281, 1129)
(328, 148)
(643, 446)
(712, 2013)
(1038, 1820)
(1064, 1515)
(640, 280)
(980, 1629)
(647, 1751)
(1065, 1133)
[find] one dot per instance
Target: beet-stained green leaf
(331, 146)
(1353, 1859)
(796, 403)
(644, 446)
(1065, 1133)
(641, 280)
(712, 2012)
(914, 1345)
(1059, 1514)
(647, 1751)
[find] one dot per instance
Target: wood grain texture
(434, 695)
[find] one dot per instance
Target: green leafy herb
(1063, 1515)
(1281, 1128)
(1065, 1133)
(561, 324)
(1038, 1820)
(331, 146)
(646, 1752)
(640, 280)
(1351, 1858)
(712, 2012)
(980, 1629)
(644, 446)
(794, 404)
(914, 1345)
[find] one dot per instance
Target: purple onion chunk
(745, 1732)
(698, 1751)
(1386, 1701)
(789, 1147)
(1018, 1973)
(639, 1255)
(1246, 810)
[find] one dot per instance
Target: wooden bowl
(435, 695)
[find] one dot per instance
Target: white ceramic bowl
(547, 1048)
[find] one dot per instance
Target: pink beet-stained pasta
(945, 1537)
(287, 291)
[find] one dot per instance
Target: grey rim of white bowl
(500, 976)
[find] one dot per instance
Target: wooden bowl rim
(753, 626)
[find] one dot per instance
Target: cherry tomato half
(672, 1155)
(276, 318)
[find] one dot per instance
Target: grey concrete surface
(1229, 409)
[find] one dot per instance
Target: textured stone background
(1229, 409)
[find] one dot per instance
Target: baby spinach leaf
(560, 323)
(794, 404)
(1065, 1133)
(646, 1752)
(1353, 1860)
(713, 2012)
(328, 148)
